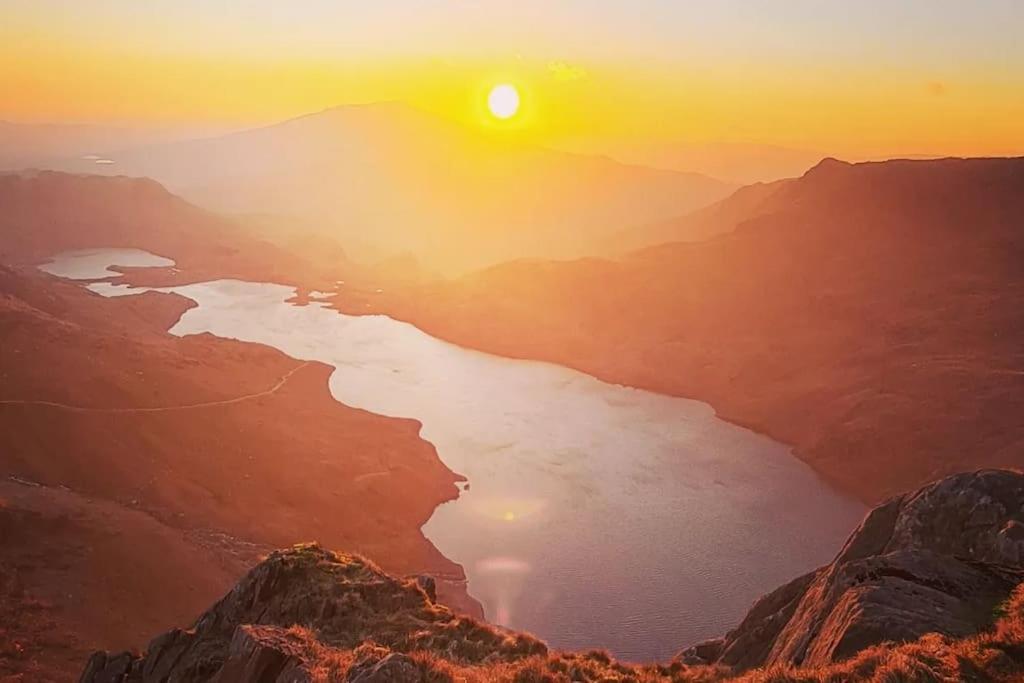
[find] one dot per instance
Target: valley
(289, 354)
(511, 342)
(541, 449)
(866, 314)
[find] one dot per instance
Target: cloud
(936, 88)
(563, 71)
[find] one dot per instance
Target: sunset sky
(871, 77)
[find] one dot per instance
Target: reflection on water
(596, 515)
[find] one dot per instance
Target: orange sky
(927, 77)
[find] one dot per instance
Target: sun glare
(503, 101)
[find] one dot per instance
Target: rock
(749, 643)
(702, 653)
(119, 668)
(265, 654)
(937, 560)
(940, 561)
(303, 607)
(899, 597)
(964, 516)
(393, 668)
(164, 652)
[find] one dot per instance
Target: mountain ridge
(897, 603)
(850, 314)
(406, 180)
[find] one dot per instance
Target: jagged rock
(749, 643)
(392, 668)
(119, 668)
(702, 653)
(265, 654)
(901, 596)
(937, 560)
(164, 653)
(295, 609)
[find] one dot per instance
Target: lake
(595, 515)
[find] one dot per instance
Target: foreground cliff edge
(925, 589)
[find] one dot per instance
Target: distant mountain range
(871, 314)
(401, 180)
(743, 163)
(724, 216)
(42, 145)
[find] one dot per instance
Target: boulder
(391, 668)
(939, 560)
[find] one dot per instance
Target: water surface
(596, 515)
(94, 264)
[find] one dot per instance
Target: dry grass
(996, 656)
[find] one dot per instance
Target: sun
(503, 101)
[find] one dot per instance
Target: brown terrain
(46, 212)
(875, 327)
(871, 315)
(140, 471)
(927, 589)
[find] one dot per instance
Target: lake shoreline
(496, 577)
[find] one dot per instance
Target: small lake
(596, 515)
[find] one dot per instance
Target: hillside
(141, 472)
(45, 212)
(745, 163)
(871, 315)
(744, 204)
(901, 602)
(396, 179)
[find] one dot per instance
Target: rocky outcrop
(749, 644)
(929, 569)
(941, 560)
(307, 612)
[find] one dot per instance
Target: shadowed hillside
(869, 314)
(402, 180)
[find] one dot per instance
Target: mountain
(141, 472)
(401, 180)
(744, 204)
(742, 163)
(926, 589)
(871, 315)
(47, 212)
(28, 145)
